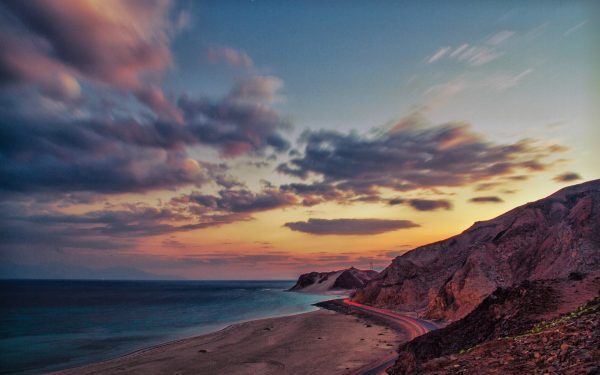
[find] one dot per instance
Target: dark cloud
(240, 123)
(236, 259)
(567, 177)
(113, 227)
(409, 156)
(349, 226)
(106, 155)
(97, 145)
(487, 199)
(422, 204)
(316, 193)
(430, 204)
(485, 186)
(238, 200)
(517, 178)
(129, 221)
(264, 244)
(320, 192)
(396, 201)
(91, 156)
(366, 198)
(279, 258)
(23, 226)
(119, 226)
(173, 243)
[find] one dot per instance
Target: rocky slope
(319, 282)
(547, 239)
(532, 328)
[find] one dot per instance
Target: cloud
(575, 28)
(93, 156)
(473, 55)
(131, 220)
(29, 225)
(122, 44)
(238, 200)
(410, 155)
(474, 82)
(349, 226)
(231, 56)
(459, 50)
(396, 201)
(422, 204)
(487, 186)
(438, 54)
(486, 199)
(500, 37)
(503, 81)
(316, 193)
(257, 88)
(567, 177)
(66, 158)
(242, 122)
(430, 204)
(116, 227)
(129, 155)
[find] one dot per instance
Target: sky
(264, 139)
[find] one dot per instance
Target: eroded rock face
(353, 278)
(348, 279)
(546, 239)
(502, 320)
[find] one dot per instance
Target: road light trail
(414, 327)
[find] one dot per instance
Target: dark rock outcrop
(353, 278)
(509, 316)
(550, 238)
(348, 279)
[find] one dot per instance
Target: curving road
(412, 326)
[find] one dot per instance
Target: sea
(47, 325)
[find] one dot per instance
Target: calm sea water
(50, 325)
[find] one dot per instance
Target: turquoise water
(51, 325)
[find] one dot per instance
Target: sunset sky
(259, 139)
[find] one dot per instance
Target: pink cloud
(258, 88)
(229, 55)
(121, 44)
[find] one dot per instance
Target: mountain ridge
(545, 239)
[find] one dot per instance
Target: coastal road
(412, 326)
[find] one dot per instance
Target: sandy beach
(319, 342)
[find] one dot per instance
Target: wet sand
(319, 342)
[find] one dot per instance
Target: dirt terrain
(506, 329)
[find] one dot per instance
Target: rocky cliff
(348, 279)
(547, 239)
(498, 333)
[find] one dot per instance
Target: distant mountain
(547, 239)
(318, 282)
(9, 270)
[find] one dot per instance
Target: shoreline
(225, 327)
(177, 335)
(303, 342)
